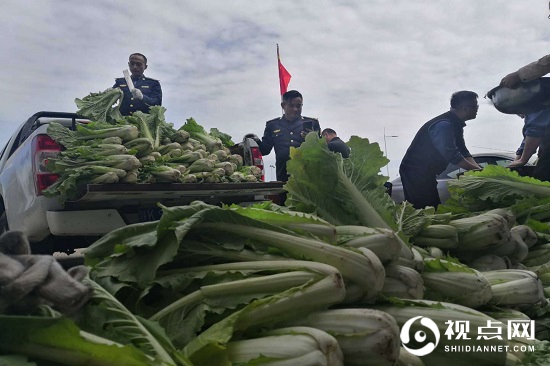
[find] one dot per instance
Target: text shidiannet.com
(493, 331)
(499, 348)
(495, 336)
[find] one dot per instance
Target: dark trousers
(542, 169)
(419, 189)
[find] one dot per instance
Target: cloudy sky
(367, 68)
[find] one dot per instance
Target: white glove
(136, 93)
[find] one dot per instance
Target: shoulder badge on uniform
(273, 120)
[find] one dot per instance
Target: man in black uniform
(439, 141)
(334, 143)
(287, 131)
(147, 91)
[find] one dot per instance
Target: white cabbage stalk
(543, 272)
(267, 298)
(408, 359)
(505, 314)
(366, 336)
(437, 235)
(507, 247)
(480, 232)
(326, 342)
(147, 159)
(436, 252)
(383, 242)
(441, 313)
(106, 178)
(410, 257)
(130, 177)
(418, 260)
(288, 346)
(506, 213)
(440, 231)
(513, 360)
(528, 235)
(442, 243)
(489, 262)
(521, 249)
(403, 282)
(423, 252)
(464, 288)
(518, 266)
(359, 266)
(538, 255)
(143, 145)
(515, 287)
(448, 281)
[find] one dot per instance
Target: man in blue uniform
(147, 91)
(439, 141)
(334, 143)
(287, 131)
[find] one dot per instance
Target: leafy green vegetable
(59, 340)
(223, 288)
(343, 193)
(152, 125)
(181, 227)
(225, 138)
(68, 185)
(494, 186)
(106, 313)
(541, 355)
(198, 133)
(101, 106)
(121, 162)
(90, 131)
(209, 347)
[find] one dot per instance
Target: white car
(452, 171)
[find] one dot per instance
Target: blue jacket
(425, 156)
(337, 145)
(281, 134)
(152, 95)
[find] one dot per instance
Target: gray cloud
(363, 66)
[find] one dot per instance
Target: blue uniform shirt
(281, 134)
(152, 95)
(451, 147)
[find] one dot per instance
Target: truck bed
(138, 202)
(175, 191)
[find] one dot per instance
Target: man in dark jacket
(334, 143)
(439, 142)
(147, 92)
(288, 131)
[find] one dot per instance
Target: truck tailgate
(160, 192)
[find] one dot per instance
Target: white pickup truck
(53, 227)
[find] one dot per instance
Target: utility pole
(386, 150)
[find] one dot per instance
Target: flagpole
(279, 73)
(279, 70)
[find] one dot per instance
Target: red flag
(284, 75)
